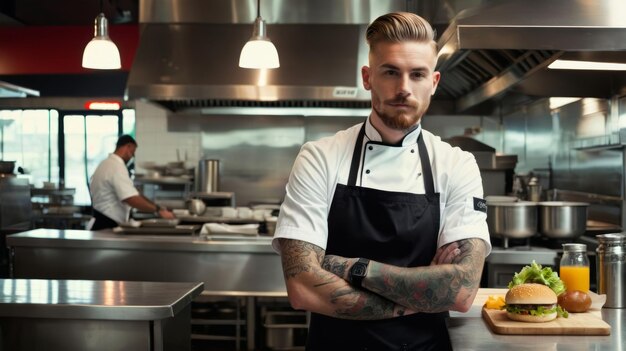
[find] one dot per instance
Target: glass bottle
(574, 268)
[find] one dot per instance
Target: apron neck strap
(356, 156)
(429, 184)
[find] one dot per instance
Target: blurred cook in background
(112, 191)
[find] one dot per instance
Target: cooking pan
(562, 219)
(512, 220)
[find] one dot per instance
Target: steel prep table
(66, 315)
(232, 268)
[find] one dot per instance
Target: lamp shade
(259, 53)
(101, 52)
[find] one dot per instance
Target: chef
(383, 228)
(112, 191)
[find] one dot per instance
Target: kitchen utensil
(562, 219)
(611, 270)
(196, 207)
(512, 220)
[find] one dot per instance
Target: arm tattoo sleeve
(432, 288)
(335, 297)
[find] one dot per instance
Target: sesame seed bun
(530, 294)
(525, 298)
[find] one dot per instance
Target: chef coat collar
(117, 158)
(373, 135)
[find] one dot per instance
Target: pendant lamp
(259, 51)
(101, 52)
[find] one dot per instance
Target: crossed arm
(318, 283)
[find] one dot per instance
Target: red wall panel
(58, 49)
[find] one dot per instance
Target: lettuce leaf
(536, 274)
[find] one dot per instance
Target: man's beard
(402, 120)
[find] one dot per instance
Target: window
(30, 137)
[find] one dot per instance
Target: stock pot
(562, 219)
(512, 220)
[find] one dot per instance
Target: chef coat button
(412, 151)
(367, 171)
(371, 147)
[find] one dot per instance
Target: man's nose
(403, 88)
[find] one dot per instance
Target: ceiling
(472, 75)
(66, 12)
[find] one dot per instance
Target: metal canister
(611, 273)
(207, 176)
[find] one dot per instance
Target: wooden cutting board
(588, 323)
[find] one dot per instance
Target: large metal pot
(562, 219)
(512, 220)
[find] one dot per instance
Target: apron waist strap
(102, 221)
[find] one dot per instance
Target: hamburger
(531, 302)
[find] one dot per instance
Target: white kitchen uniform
(323, 164)
(110, 184)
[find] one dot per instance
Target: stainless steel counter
(87, 299)
(468, 331)
(240, 268)
(95, 315)
(237, 266)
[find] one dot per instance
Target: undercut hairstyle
(125, 140)
(399, 27)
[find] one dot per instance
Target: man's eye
(390, 73)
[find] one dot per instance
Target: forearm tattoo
(299, 258)
(432, 288)
(337, 265)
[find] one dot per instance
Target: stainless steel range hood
(196, 65)
(189, 50)
(489, 50)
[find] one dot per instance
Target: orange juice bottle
(574, 269)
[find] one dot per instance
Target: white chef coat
(323, 164)
(110, 184)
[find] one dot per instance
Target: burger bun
(531, 294)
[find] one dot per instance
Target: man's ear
(365, 74)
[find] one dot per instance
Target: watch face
(359, 269)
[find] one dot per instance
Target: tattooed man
(383, 228)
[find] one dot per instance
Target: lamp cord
(100, 6)
(258, 8)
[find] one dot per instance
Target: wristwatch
(358, 271)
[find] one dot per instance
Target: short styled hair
(125, 140)
(399, 27)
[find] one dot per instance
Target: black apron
(391, 227)
(102, 221)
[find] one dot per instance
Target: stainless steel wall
(579, 142)
(256, 152)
